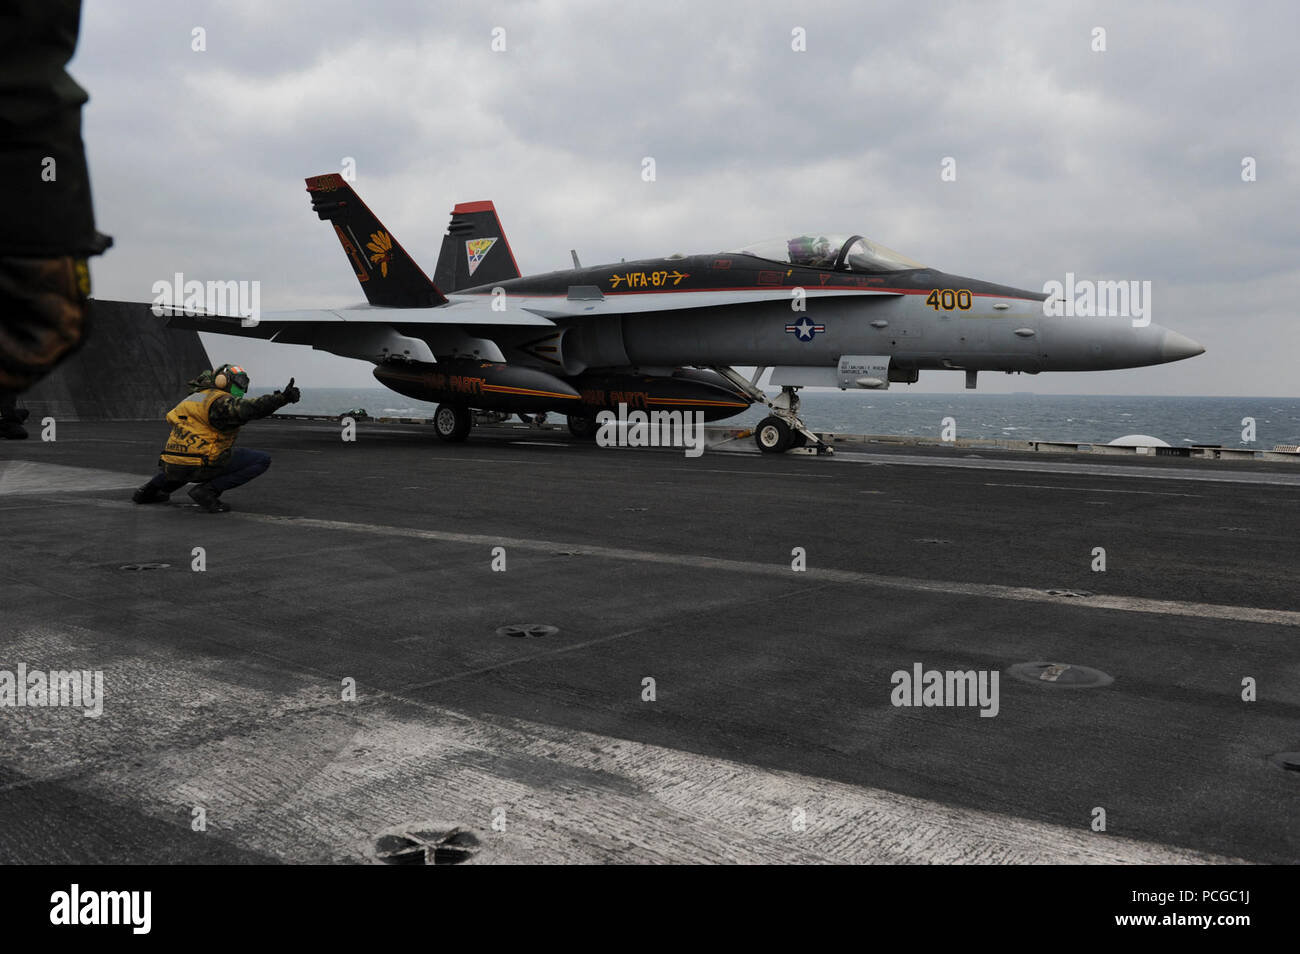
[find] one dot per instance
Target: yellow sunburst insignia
(381, 251)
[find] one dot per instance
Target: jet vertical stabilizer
(474, 250)
(388, 275)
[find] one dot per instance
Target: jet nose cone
(1176, 347)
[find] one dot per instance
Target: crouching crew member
(201, 449)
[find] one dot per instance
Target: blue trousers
(243, 466)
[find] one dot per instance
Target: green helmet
(232, 378)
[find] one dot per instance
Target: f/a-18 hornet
(667, 333)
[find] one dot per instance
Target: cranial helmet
(231, 378)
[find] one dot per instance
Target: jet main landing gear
(452, 422)
(583, 427)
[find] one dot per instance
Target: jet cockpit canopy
(851, 253)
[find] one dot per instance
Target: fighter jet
(667, 334)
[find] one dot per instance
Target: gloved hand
(290, 393)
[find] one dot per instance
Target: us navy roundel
(805, 329)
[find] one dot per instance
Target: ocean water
(1024, 416)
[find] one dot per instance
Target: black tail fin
(474, 250)
(388, 276)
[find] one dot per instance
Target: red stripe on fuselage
(766, 288)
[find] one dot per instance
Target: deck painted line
(1096, 490)
(1061, 467)
(1129, 604)
(1100, 601)
(36, 477)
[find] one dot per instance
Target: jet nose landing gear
(774, 436)
(783, 430)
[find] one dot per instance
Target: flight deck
(547, 651)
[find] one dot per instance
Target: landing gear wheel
(798, 439)
(584, 428)
(772, 435)
(451, 422)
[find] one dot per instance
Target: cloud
(1122, 164)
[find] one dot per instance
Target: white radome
(1137, 440)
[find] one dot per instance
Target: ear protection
(229, 375)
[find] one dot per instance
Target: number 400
(947, 299)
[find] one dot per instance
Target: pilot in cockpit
(813, 252)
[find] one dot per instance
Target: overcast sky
(1123, 164)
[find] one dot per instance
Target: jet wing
(299, 326)
(299, 322)
(375, 332)
(583, 301)
(464, 323)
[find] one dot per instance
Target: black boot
(149, 494)
(208, 499)
(11, 420)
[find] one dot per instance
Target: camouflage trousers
(43, 316)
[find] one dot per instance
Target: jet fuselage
(695, 310)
